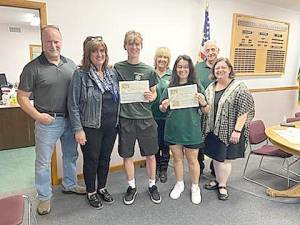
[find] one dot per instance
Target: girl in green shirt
(183, 128)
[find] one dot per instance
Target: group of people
(81, 105)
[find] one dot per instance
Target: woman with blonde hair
(162, 60)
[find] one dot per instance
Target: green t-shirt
(163, 83)
(131, 72)
(203, 72)
(183, 126)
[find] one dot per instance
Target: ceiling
(286, 4)
(19, 16)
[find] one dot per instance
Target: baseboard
(112, 169)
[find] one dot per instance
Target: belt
(57, 114)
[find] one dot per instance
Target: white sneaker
(177, 190)
(196, 195)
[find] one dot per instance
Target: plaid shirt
(235, 101)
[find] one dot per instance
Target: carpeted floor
(248, 204)
(16, 169)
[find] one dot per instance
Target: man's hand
(148, 95)
(45, 118)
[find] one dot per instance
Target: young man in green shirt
(203, 70)
(136, 120)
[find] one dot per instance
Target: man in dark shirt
(48, 77)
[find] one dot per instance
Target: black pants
(163, 154)
(201, 159)
(201, 162)
(96, 155)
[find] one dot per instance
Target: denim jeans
(46, 137)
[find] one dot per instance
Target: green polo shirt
(131, 72)
(202, 73)
(183, 126)
(163, 83)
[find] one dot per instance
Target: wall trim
(112, 169)
(286, 88)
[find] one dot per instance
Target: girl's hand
(201, 99)
(164, 105)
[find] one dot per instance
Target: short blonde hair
(133, 37)
(162, 51)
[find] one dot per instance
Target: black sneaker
(129, 196)
(154, 194)
(163, 176)
(105, 196)
(94, 201)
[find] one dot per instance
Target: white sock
(181, 183)
(89, 194)
(195, 186)
(102, 190)
(151, 183)
(132, 183)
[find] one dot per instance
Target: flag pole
(205, 33)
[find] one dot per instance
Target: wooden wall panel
(258, 46)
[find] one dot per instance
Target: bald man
(47, 77)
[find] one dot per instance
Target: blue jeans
(46, 137)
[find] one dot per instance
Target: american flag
(205, 35)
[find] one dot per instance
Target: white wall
(15, 49)
(178, 25)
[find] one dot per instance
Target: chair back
(257, 132)
(12, 210)
(292, 119)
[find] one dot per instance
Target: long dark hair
(191, 77)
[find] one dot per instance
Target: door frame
(42, 8)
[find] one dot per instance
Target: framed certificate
(183, 96)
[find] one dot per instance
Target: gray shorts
(143, 130)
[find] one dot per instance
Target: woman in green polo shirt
(183, 128)
(162, 60)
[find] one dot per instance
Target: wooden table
(293, 192)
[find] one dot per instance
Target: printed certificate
(183, 97)
(133, 91)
